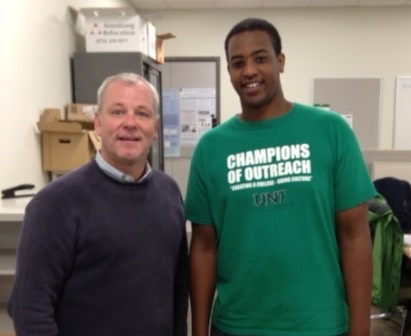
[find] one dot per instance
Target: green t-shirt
(271, 190)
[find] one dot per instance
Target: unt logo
(269, 198)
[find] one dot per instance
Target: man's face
(254, 68)
(127, 125)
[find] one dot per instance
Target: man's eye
(260, 59)
(116, 112)
(142, 114)
(237, 64)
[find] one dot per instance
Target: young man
(103, 249)
(277, 196)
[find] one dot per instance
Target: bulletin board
(201, 74)
(357, 99)
(194, 79)
(402, 122)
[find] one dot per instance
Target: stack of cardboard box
(68, 142)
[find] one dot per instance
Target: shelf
(6, 284)
(11, 216)
(7, 262)
(6, 324)
(12, 209)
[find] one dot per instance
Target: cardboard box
(159, 46)
(82, 113)
(113, 30)
(50, 115)
(65, 145)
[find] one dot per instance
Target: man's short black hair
(251, 24)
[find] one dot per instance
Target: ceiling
(227, 4)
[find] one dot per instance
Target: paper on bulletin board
(349, 118)
(325, 107)
(171, 122)
(197, 110)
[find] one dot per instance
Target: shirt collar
(119, 175)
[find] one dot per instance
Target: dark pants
(216, 332)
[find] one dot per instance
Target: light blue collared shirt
(119, 175)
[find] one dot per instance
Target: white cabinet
(11, 216)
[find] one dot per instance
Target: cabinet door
(90, 69)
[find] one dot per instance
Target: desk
(11, 216)
(12, 209)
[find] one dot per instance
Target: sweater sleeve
(181, 290)
(44, 260)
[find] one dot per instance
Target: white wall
(37, 41)
(331, 42)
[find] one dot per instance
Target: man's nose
(249, 69)
(130, 118)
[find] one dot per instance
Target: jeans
(216, 332)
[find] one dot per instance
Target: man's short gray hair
(128, 78)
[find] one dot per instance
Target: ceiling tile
(238, 4)
(199, 4)
(285, 3)
(187, 2)
(382, 2)
(149, 4)
(180, 4)
(334, 3)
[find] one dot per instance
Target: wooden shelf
(11, 216)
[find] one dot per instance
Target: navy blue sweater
(99, 257)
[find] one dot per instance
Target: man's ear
(97, 123)
(157, 128)
(281, 62)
